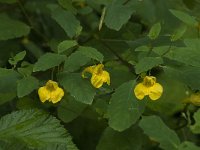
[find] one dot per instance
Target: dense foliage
(99, 74)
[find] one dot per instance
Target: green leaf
(18, 57)
(10, 29)
(196, 127)
(32, 127)
(75, 61)
(154, 31)
(184, 17)
(155, 128)
(69, 109)
(91, 53)
(147, 63)
(78, 87)
(67, 21)
(131, 139)
(124, 110)
(186, 145)
(47, 61)
(65, 45)
(178, 33)
(26, 86)
(67, 4)
(117, 14)
(186, 55)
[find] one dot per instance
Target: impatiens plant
(99, 74)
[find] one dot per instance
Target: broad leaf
(78, 87)
(67, 21)
(147, 63)
(75, 61)
(117, 14)
(178, 33)
(10, 29)
(91, 53)
(32, 127)
(26, 86)
(156, 129)
(47, 61)
(65, 45)
(124, 109)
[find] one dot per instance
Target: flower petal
(88, 69)
(96, 81)
(51, 85)
(43, 93)
(56, 95)
(106, 77)
(140, 91)
(155, 91)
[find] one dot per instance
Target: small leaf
(155, 128)
(65, 45)
(124, 110)
(147, 63)
(26, 86)
(91, 53)
(78, 87)
(18, 57)
(67, 21)
(10, 29)
(75, 61)
(67, 4)
(47, 61)
(184, 17)
(117, 14)
(154, 31)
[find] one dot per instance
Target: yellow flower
(148, 87)
(50, 92)
(99, 76)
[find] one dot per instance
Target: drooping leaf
(117, 14)
(75, 61)
(154, 31)
(67, 21)
(78, 87)
(184, 17)
(10, 29)
(65, 45)
(147, 63)
(32, 127)
(47, 61)
(91, 53)
(156, 129)
(26, 86)
(124, 109)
